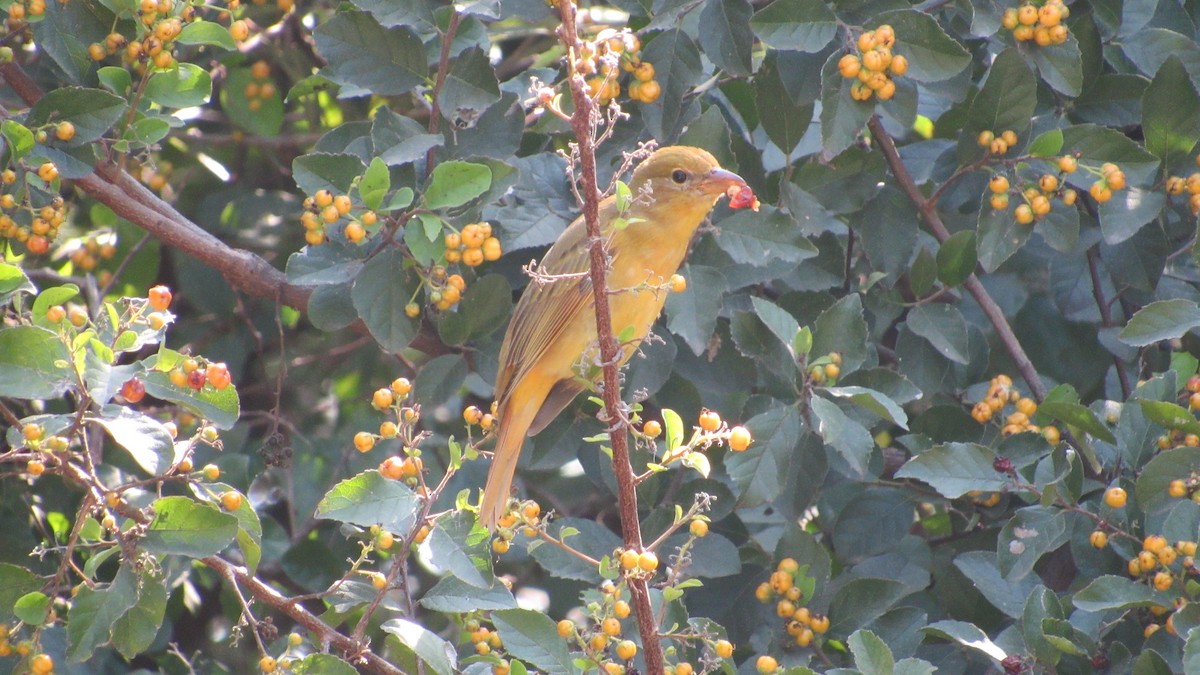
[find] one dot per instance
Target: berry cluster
(602, 59)
(325, 209)
(710, 422)
(401, 425)
(1041, 25)
(198, 373)
(1165, 568)
(1111, 179)
(1037, 197)
(39, 663)
(1000, 393)
(286, 661)
(473, 245)
(785, 589)
(34, 226)
(997, 144)
(527, 514)
(1177, 185)
(484, 638)
(21, 10)
(98, 245)
(874, 65)
(442, 289)
(825, 369)
(262, 88)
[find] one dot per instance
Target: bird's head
(685, 171)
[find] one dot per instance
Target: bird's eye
(679, 176)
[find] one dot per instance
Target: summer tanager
(551, 344)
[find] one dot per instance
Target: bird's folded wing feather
(546, 310)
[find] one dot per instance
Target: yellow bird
(550, 347)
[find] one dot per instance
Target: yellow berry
(1115, 497)
(231, 501)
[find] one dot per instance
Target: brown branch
(933, 220)
(1106, 320)
(583, 124)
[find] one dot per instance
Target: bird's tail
(513, 426)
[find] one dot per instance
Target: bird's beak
(721, 180)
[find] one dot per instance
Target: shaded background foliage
(917, 541)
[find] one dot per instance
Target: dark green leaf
(92, 111)
(1161, 320)
(954, 469)
(784, 121)
(1059, 65)
(802, 25)
(1113, 592)
(677, 67)
(871, 654)
(437, 654)
(725, 34)
(932, 54)
(1078, 416)
(366, 58)
(531, 636)
(760, 471)
(956, 258)
(944, 327)
(143, 437)
(1005, 101)
(1171, 113)
(469, 89)
(323, 171)
(689, 313)
(206, 33)
(380, 293)
(34, 363)
(265, 118)
(842, 329)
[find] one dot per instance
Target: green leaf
(1150, 491)
(206, 33)
(53, 296)
(689, 313)
(967, 635)
(400, 140)
(842, 118)
(954, 469)
(375, 184)
(1031, 533)
(760, 238)
(15, 582)
(143, 437)
(956, 258)
(677, 68)
(184, 85)
(1006, 101)
(134, 632)
(20, 138)
(470, 87)
(1047, 144)
(33, 363)
(452, 594)
(1171, 113)
(531, 636)
(366, 58)
(94, 613)
(437, 654)
(849, 438)
(1078, 416)
(932, 55)
(370, 499)
(588, 537)
(380, 293)
(484, 309)
(1059, 65)
(786, 124)
(116, 80)
(92, 111)
(31, 608)
(801, 25)
(923, 273)
(673, 425)
(872, 400)
(185, 527)
(872, 656)
(460, 546)
(1113, 592)
(725, 35)
(1161, 320)
(781, 324)
(999, 237)
(944, 327)
(323, 664)
(842, 329)
(762, 470)
(455, 183)
(324, 171)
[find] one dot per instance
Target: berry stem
(583, 123)
(929, 214)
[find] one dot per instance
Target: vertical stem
(1106, 320)
(583, 125)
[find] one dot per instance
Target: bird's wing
(544, 310)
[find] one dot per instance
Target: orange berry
(1115, 497)
(231, 501)
(710, 421)
(739, 439)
